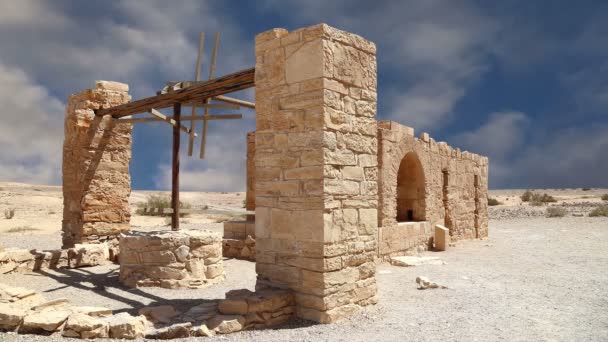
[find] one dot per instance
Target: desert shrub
(525, 197)
(493, 201)
(605, 197)
(537, 199)
(9, 213)
(21, 229)
(586, 189)
(599, 211)
(556, 212)
(156, 201)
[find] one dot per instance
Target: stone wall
(239, 240)
(316, 168)
(455, 184)
(96, 156)
(250, 170)
(171, 259)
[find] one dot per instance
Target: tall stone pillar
(316, 168)
(96, 156)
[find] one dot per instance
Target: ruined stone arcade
(334, 190)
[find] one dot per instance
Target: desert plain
(535, 278)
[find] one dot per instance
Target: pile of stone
(239, 240)
(15, 260)
(27, 312)
(171, 259)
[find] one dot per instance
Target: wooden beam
(232, 100)
(199, 59)
(171, 121)
(237, 81)
(211, 74)
(177, 112)
(197, 118)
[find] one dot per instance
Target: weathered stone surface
(407, 261)
(96, 156)
(177, 330)
(202, 330)
(171, 259)
(47, 320)
(11, 316)
(425, 283)
(159, 314)
(442, 238)
(126, 326)
(233, 306)
(226, 324)
(85, 326)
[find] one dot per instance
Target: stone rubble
(406, 261)
(424, 283)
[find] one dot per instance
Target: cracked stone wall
(455, 188)
(96, 156)
(316, 169)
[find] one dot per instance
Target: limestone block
(442, 238)
(48, 320)
(11, 316)
(88, 255)
(177, 330)
(125, 326)
(85, 326)
(226, 324)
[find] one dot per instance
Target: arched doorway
(410, 190)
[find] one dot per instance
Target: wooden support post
(197, 76)
(177, 112)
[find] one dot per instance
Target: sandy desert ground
(533, 279)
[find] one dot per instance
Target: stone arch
(411, 198)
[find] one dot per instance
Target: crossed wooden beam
(197, 94)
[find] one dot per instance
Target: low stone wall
(27, 312)
(16, 260)
(239, 240)
(171, 259)
(404, 238)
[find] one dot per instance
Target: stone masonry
(316, 168)
(96, 156)
(171, 259)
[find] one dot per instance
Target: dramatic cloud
(31, 131)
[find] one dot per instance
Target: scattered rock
(202, 330)
(88, 255)
(92, 311)
(159, 314)
(425, 283)
(407, 261)
(126, 326)
(181, 253)
(178, 330)
(226, 324)
(85, 326)
(47, 320)
(201, 312)
(52, 304)
(11, 316)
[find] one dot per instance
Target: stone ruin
(334, 190)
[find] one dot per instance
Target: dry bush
(155, 201)
(21, 229)
(493, 201)
(599, 211)
(9, 213)
(537, 199)
(525, 197)
(605, 197)
(556, 212)
(586, 189)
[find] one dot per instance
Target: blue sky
(523, 82)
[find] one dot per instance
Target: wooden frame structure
(187, 93)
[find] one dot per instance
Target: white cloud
(31, 134)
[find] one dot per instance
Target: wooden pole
(177, 112)
(197, 76)
(211, 73)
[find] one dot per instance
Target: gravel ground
(534, 279)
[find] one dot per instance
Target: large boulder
(44, 321)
